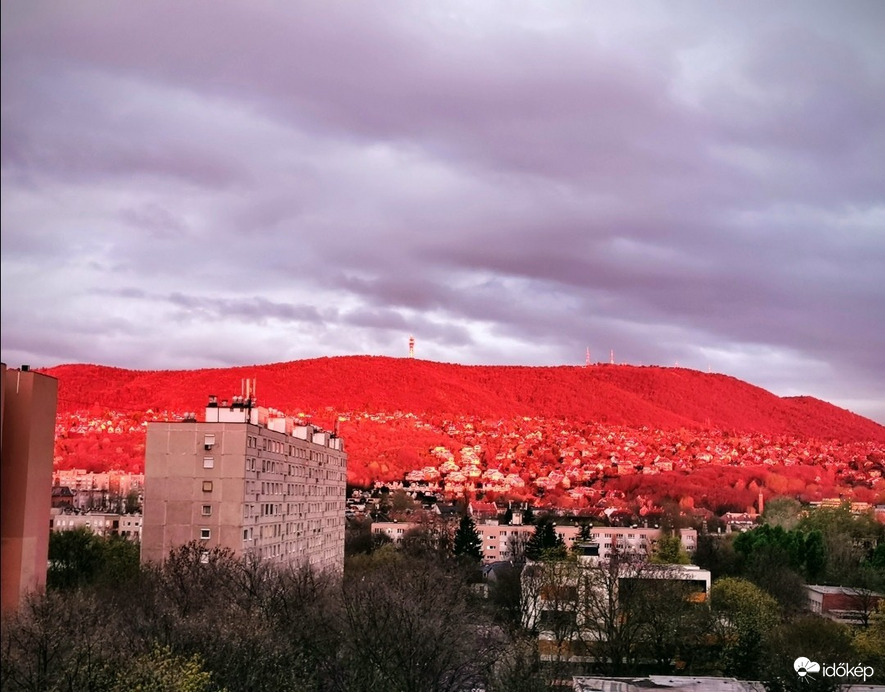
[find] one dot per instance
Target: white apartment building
(101, 523)
(499, 540)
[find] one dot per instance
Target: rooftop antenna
(611, 357)
(587, 361)
(247, 390)
(411, 347)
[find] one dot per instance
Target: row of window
(274, 531)
(271, 466)
(291, 509)
(291, 450)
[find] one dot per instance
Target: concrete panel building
(504, 541)
(101, 523)
(248, 479)
(28, 404)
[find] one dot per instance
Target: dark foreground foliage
(213, 622)
(413, 618)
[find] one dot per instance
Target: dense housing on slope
(248, 479)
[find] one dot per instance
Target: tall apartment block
(249, 479)
(28, 403)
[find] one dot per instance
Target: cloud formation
(186, 186)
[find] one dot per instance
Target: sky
(191, 184)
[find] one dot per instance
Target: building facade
(845, 604)
(575, 605)
(28, 404)
(505, 541)
(101, 523)
(248, 479)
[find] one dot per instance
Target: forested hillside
(561, 434)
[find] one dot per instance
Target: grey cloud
(255, 309)
(548, 177)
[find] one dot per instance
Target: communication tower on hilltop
(411, 347)
(611, 357)
(587, 362)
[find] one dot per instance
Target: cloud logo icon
(804, 666)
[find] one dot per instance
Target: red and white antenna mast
(411, 347)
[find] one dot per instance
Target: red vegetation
(585, 423)
(663, 398)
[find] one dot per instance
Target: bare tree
(551, 609)
(409, 626)
(516, 545)
(611, 614)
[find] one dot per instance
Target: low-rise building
(665, 683)
(100, 523)
(62, 497)
(845, 604)
(584, 587)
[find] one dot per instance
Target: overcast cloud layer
(206, 184)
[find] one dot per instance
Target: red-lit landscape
(560, 435)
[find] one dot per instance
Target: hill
(561, 436)
(654, 397)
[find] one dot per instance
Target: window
(209, 441)
(208, 462)
(207, 510)
(207, 486)
(205, 534)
